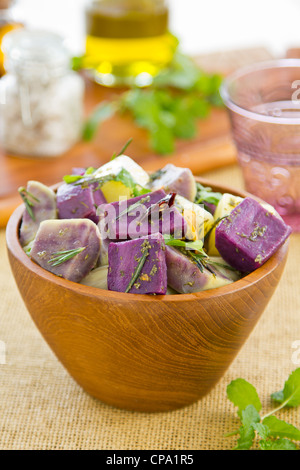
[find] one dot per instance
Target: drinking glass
(263, 101)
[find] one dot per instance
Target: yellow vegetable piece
(113, 190)
(199, 220)
(226, 204)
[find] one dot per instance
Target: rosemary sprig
(216, 222)
(196, 245)
(221, 265)
(138, 269)
(123, 149)
(133, 206)
(62, 256)
(29, 199)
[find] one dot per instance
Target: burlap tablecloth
(41, 407)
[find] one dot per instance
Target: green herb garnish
(268, 431)
(138, 269)
(133, 206)
(62, 256)
(206, 194)
(122, 150)
(123, 176)
(194, 250)
(29, 199)
(195, 245)
(168, 109)
(216, 222)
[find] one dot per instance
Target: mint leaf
(241, 393)
(290, 395)
(278, 444)
(245, 441)
(262, 430)
(279, 428)
(249, 417)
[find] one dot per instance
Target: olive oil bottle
(127, 41)
(8, 22)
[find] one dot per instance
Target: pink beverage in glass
(264, 106)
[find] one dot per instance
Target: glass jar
(128, 41)
(41, 98)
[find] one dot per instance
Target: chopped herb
(70, 179)
(257, 232)
(29, 199)
(153, 270)
(62, 256)
(258, 259)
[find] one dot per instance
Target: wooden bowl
(139, 352)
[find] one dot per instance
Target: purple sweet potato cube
(129, 219)
(43, 208)
(250, 235)
(177, 180)
(185, 277)
(77, 202)
(55, 238)
(125, 259)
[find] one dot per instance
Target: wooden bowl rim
(13, 244)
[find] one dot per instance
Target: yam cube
(250, 235)
(174, 179)
(226, 204)
(77, 202)
(129, 219)
(138, 266)
(43, 208)
(185, 277)
(67, 248)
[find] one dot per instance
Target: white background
(202, 25)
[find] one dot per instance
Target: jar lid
(34, 48)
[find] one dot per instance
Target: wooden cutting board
(212, 148)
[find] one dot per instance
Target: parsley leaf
(102, 112)
(169, 108)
